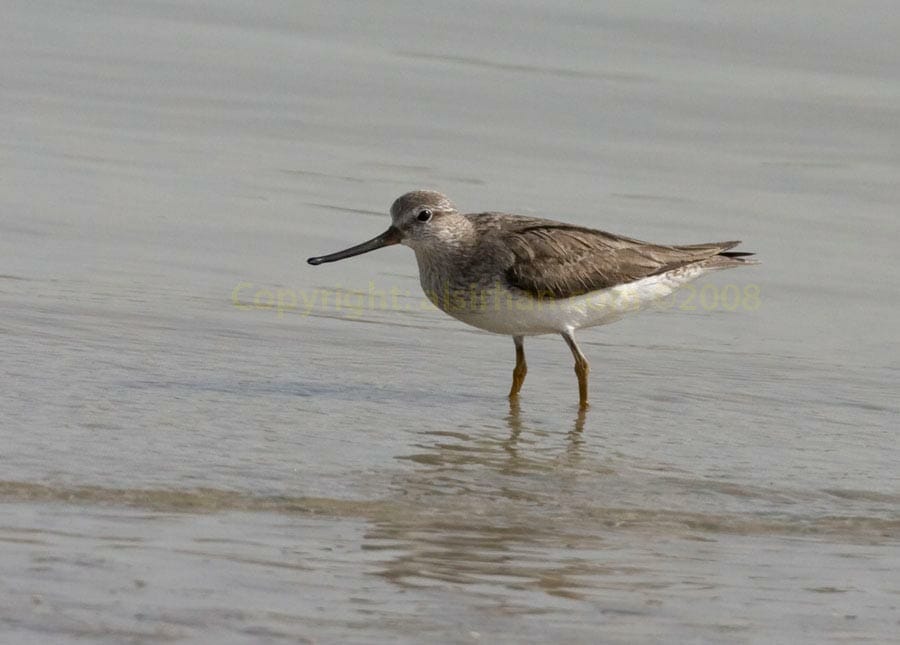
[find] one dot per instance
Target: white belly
(503, 312)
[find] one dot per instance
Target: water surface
(205, 439)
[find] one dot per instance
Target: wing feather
(556, 260)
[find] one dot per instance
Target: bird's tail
(718, 256)
(729, 259)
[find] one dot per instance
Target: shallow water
(205, 439)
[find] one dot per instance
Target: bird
(526, 276)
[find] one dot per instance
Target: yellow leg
(521, 368)
(582, 369)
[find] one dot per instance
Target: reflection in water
(484, 508)
(484, 551)
(576, 435)
(512, 454)
(516, 510)
(514, 420)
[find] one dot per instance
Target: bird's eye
(424, 215)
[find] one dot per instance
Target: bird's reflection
(482, 508)
(575, 436)
(514, 421)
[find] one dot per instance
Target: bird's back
(551, 259)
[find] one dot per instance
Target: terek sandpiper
(524, 276)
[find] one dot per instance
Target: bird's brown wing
(555, 260)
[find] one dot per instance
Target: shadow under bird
(525, 276)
